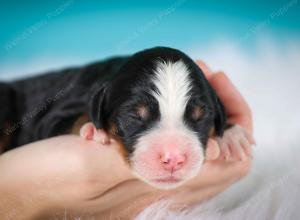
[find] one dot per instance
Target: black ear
(97, 105)
(220, 116)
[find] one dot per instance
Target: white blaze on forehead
(173, 85)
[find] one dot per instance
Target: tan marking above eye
(142, 111)
(198, 113)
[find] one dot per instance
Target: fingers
(236, 149)
(236, 107)
(235, 144)
(212, 151)
(207, 72)
(233, 151)
(244, 143)
(249, 137)
(224, 148)
(245, 139)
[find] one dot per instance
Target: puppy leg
(89, 132)
(236, 143)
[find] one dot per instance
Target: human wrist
(21, 195)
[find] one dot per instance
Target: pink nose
(172, 161)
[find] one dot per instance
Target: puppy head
(161, 109)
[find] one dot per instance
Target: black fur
(109, 91)
(7, 110)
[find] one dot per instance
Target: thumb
(212, 150)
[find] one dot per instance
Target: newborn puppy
(161, 110)
(156, 104)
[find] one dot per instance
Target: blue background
(82, 31)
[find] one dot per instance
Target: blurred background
(257, 43)
(38, 35)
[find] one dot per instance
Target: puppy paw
(236, 143)
(89, 132)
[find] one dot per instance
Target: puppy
(162, 110)
(156, 104)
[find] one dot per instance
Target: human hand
(67, 174)
(238, 114)
(64, 174)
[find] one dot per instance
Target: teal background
(82, 31)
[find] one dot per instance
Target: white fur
(173, 85)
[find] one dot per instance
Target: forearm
(57, 175)
(40, 178)
(21, 194)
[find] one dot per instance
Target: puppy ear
(97, 105)
(220, 116)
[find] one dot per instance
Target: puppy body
(48, 105)
(157, 104)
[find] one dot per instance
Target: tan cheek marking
(79, 123)
(122, 150)
(121, 147)
(212, 132)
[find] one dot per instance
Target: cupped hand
(237, 110)
(64, 174)
(69, 176)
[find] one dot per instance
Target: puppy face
(162, 109)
